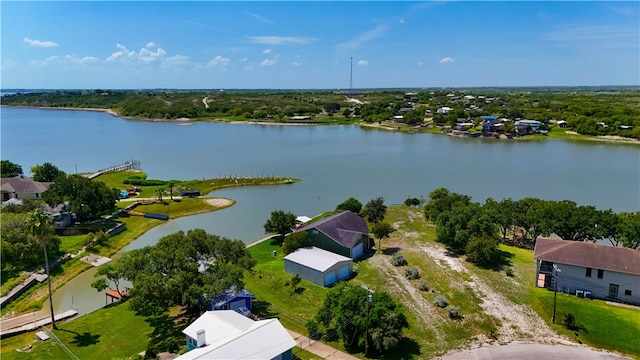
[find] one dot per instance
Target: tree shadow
(85, 339)
(262, 309)
(500, 261)
(299, 290)
(167, 330)
(391, 250)
(406, 349)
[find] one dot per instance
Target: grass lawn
(598, 324)
(111, 332)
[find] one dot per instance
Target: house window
(314, 231)
(193, 342)
(588, 274)
(600, 273)
(627, 292)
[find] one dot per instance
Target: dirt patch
(220, 202)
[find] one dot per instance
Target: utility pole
(555, 292)
(366, 331)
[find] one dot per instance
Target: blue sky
(303, 45)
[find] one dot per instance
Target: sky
(317, 44)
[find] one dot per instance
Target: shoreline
(610, 139)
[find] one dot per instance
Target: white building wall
(572, 278)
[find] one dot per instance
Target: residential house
(344, 233)
(22, 187)
(562, 124)
(61, 216)
(231, 299)
(488, 123)
(444, 110)
(225, 334)
(318, 266)
(523, 126)
(588, 270)
(300, 117)
(464, 126)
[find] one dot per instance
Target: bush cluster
(143, 182)
(398, 260)
(412, 273)
(441, 301)
(454, 312)
(423, 286)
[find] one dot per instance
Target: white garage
(318, 266)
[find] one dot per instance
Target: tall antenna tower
(351, 75)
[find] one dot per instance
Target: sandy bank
(220, 202)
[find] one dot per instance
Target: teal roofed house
(344, 233)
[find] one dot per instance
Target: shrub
(454, 312)
(509, 272)
(130, 181)
(441, 301)
(569, 320)
(412, 273)
(412, 202)
(423, 286)
(398, 260)
(314, 329)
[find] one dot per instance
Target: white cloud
(363, 62)
(175, 60)
(150, 45)
(260, 18)
(363, 38)
(67, 59)
(270, 62)
(218, 61)
(38, 43)
(280, 40)
(266, 51)
(145, 55)
(446, 60)
(420, 63)
(243, 59)
(81, 60)
(296, 63)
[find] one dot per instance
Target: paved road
(532, 351)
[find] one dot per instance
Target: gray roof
(21, 184)
(345, 228)
(588, 254)
(316, 258)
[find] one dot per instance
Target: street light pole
(555, 292)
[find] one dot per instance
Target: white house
(589, 270)
(318, 266)
(444, 110)
(225, 334)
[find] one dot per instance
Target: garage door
(329, 278)
(236, 304)
(343, 272)
(357, 251)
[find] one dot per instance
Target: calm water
(333, 162)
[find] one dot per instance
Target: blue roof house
(240, 301)
(488, 123)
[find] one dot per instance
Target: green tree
(509, 127)
(375, 210)
(358, 322)
(171, 184)
(110, 275)
(456, 227)
(20, 249)
(351, 204)
(295, 241)
(629, 228)
(9, 169)
(503, 214)
(184, 269)
(382, 230)
(86, 198)
(535, 217)
(441, 200)
(46, 172)
(412, 201)
(482, 250)
(280, 223)
(41, 226)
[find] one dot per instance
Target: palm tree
(40, 225)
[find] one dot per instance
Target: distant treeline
(588, 111)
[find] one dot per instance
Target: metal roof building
(318, 266)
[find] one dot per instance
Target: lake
(333, 163)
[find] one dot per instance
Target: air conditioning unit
(580, 293)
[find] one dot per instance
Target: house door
(613, 290)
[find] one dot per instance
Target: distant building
(345, 233)
(444, 110)
(318, 266)
(523, 126)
